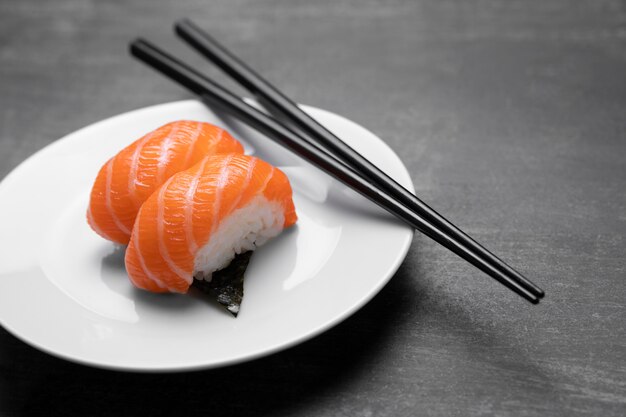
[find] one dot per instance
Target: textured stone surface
(511, 117)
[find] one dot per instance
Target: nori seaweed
(226, 284)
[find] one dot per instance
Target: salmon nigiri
(201, 218)
(131, 176)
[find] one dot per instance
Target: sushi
(200, 219)
(131, 176)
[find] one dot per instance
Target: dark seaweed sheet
(226, 285)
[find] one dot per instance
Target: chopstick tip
(134, 45)
(181, 23)
(136, 42)
(139, 47)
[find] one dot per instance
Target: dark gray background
(511, 117)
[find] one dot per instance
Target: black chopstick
(283, 107)
(213, 94)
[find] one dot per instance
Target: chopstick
(283, 107)
(213, 94)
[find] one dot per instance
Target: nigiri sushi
(196, 222)
(131, 176)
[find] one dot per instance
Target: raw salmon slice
(131, 176)
(201, 218)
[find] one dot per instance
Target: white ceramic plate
(64, 290)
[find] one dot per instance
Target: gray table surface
(511, 118)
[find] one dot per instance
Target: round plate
(64, 290)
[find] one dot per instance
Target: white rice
(245, 229)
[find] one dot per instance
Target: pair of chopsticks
(297, 131)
